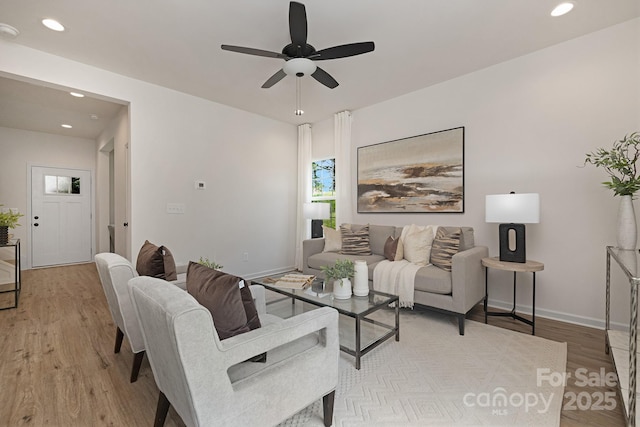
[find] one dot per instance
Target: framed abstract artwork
(420, 174)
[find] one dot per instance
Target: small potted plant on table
(8, 219)
(341, 274)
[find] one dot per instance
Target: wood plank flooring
(57, 366)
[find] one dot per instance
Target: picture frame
(419, 174)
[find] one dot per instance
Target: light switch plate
(176, 208)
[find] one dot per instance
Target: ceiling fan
(300, 56)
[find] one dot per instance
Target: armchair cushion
(220, 294)
(156, 261)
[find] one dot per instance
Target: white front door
(60, 216)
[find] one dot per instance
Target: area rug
(433, 376)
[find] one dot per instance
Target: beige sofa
(455, 292)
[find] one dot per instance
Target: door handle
(126, 224)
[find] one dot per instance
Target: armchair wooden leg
(137, 361)
(119, 337)
(161, 410)
(327, 408)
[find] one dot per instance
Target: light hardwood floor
(57, 365)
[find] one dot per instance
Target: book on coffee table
(294, 281)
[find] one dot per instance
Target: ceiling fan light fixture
(299, 67)
(561, 9)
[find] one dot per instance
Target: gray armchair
(115, 272)
(209, 382)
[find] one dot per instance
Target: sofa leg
(461, 323)
(327, 408)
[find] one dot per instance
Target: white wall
(528, 124)
(20, 148)
(248, 162)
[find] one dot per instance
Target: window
(61, 184)
(323, 182)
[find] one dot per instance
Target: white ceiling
(418, 43)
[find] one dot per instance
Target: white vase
(627, 232)
(342, 288)
(360, 278)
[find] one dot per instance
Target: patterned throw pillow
(355, 242)
(445, 246)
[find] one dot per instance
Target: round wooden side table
(529, 266)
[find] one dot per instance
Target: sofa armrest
(310, 247)
(467, 278)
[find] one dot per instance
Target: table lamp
(316, 212)
(512, 211)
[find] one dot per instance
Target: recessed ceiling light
(562, 8)
(76, 94)
(8, 31)
(66, 126)
(52, 24)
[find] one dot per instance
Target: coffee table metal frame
(382, 300)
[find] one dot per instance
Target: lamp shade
(513, 208)
(316, 210)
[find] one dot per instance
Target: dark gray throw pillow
(156, 261)
(219, 293)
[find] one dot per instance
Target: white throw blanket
(397, 278)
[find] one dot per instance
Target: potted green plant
(211, 264)
(341, 274)
(8, 219)
(620, 164)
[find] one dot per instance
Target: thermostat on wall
(201, 185)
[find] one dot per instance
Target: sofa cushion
(220, 294)
(417, 245)
(445, 246)
(378, 237)
(355, 242)
(316, 261)
(156, 261)
(433, 279)
(332, 239)
(390, 248)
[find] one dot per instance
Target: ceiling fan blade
(325, 78)
(274, 79)
(251, 51)
(343, 51)
(298, 24)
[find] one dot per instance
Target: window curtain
(342, 141)
(303, 229)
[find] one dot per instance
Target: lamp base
(518, 253)
(316, 228)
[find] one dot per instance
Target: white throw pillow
(417, 245)
(332, 239)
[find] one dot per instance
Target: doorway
(61, 217)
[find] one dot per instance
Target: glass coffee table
(357, 308)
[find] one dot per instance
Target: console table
(622, 345)
(14, 266)
(516, 267)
